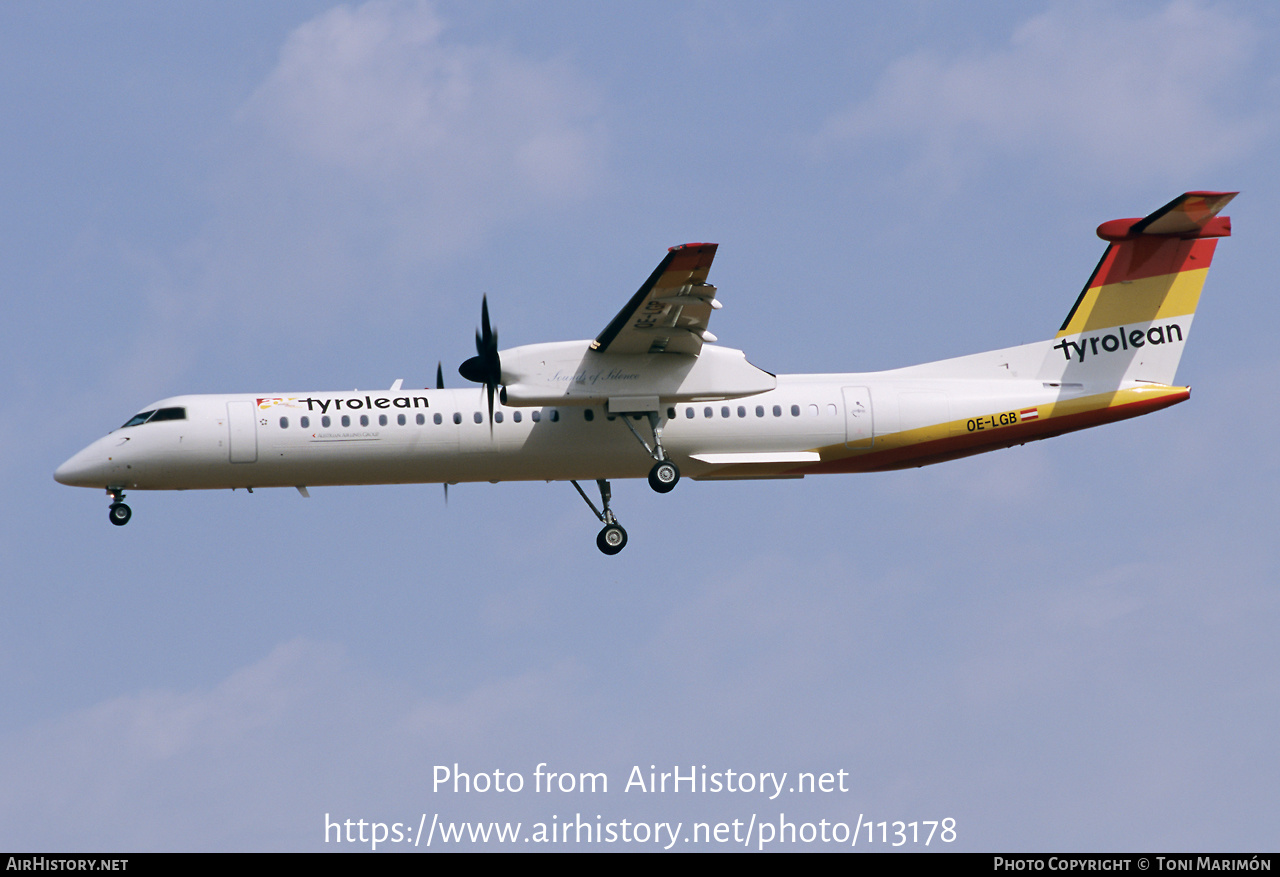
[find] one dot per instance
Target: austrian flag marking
(1028, 414)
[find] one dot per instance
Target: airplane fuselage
(808, 424)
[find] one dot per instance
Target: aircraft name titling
(356, 404)
(583, 377)
(1118, 340)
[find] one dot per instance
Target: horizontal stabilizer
(1191, 215)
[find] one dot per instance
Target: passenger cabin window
(382, 420)
(777, 410)
(400, 419)
(537, 416)
(515, 415)
(305, 421)
(588, 414)
(497, 417)
(478, 417)
(346, 421)
(688, 414)
(759, 411)
(795, 410)
(457, 417)
(325, 421)
(364, 419)
(555, 415)
(724, 411)
(284, 423)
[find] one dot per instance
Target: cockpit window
(138, 418)
(155, 416)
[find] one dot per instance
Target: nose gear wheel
(119, 513)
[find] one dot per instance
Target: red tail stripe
(1152, 257)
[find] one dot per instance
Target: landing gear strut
(664, 475)
(612, 538)
(119, 513)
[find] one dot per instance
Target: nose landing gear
(119, 513)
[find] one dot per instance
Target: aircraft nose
(85, 469)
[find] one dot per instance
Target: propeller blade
(486, 366)
(490, 335)
(439, 375)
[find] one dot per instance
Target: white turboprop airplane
(651, 394)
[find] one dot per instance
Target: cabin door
(859, 428)
(242, 422)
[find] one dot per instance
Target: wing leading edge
(670, 311)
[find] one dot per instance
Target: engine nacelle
(571, 373)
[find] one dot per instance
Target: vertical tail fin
(1132, 319)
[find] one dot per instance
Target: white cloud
(255, 761)
(378, 145)
(944, 689)
(1092, 88)
(379, 93)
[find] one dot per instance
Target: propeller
(486, 366)
(440, 386)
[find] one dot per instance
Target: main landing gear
(664, 475)
(119, 513)
(663, 478)
(612, 538)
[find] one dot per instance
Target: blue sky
(1065, 646)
